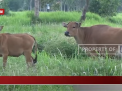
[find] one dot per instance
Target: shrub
(57, 47)
(104, 7)
(33, 18)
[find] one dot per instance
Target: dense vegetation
(104, 7)
(101, 7)
(58, 54)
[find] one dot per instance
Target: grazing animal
(100, 35)
(17, 44)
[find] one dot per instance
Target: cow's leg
(28, 57)
(5, 56)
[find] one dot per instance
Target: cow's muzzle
(66, 33)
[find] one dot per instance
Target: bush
(33, 18)
(116, 19)
(104, 7)
(57, 47)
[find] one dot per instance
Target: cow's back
(17, 43)
(103, 34)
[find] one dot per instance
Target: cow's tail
(35, 51)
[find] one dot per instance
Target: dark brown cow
(16, 45)
(98, 35)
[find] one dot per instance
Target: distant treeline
(101, 7)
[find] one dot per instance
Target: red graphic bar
(2, 11)
(60, 79)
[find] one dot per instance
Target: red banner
(60, 80)
(2, 11)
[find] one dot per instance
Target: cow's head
(1, 27)
(72, 28)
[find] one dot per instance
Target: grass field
(36, 88)
(58, 56)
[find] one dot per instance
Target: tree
(30, 5)
(84, 11)
(120, 7)
(37, 8)
(104, 7)
(15, 5)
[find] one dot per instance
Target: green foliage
(4, 5)
(55, 45)
(26, 17)
(15, 5)
(15, 18)
(33, 18)
(56, 6)
(104, 7)
(56, 58)
(44, 2)
(59, 16)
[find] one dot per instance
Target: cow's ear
(1, 27)
(64, 24)
(78, 24)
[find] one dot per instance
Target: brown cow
(100, 35)
(16, 45)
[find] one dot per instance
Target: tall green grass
(58, 54)
(24, 18)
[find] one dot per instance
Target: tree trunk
(61, 6)
(37, 8)
(40, 6)
(30, 6)
(84, 11)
